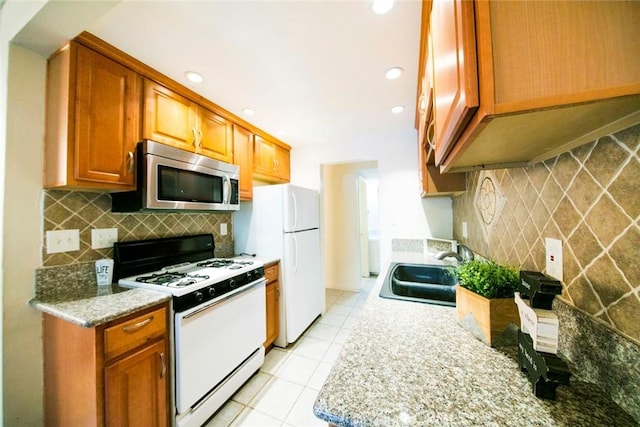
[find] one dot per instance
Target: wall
(402, 213)
(22, 351)
(340, 225)
(64, 210)
(588, 198)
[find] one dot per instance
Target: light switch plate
(103, 237)
(465, 230)
(62, 241)
(553, 249)
(223, 229)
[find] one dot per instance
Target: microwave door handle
(226, 191)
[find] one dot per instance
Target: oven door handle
(226, 298)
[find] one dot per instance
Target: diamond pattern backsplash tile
(590, 199)
(64, 210)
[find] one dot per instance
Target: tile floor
(282, 393)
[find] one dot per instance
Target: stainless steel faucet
(463, 254)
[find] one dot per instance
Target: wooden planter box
(487, 319)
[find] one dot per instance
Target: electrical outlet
(465, 231)
(63, 241)
(103, 237)
(223, 229)
(554, 258)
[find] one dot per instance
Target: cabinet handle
(430, 136)
(278, 293)
(132, 328)
(131, 162)
(164, 365)
(200, 140)
(193, 130)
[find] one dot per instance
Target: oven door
(213, 339)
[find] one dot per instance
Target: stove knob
(212, 291)
(250, 275)
(232, 283)
(198, 295)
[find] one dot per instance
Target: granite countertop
(409, 363)
(96, 305)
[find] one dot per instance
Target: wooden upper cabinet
(169, 118)
(175, 120)
(270, 161)
(243, 157)
(93, 121)
(552, 75)
(432, 181)
(455, 71)
(215, 137)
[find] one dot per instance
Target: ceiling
(311, 69)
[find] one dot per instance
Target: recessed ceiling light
(393, 73)
(248, 111)
(382, 6)
(194, 76)
(397, 109)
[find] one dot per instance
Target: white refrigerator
(283, 222)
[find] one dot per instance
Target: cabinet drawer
(128, 335)
(271, 273)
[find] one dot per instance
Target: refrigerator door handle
(295, 210)
(295, 253)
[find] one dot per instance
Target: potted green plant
(484, 300)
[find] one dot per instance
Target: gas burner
(232, 264)
(172, 279)
(161, 278)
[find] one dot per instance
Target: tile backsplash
(589, 198)
(65, 210)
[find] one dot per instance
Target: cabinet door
(455, 71)
(264, 156)
(136, 388)
(272, 296)
(168, 117)
(282, 164)
(243, 157)
(270, 162)
(106, 120)
(214, 136)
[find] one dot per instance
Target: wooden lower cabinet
(108, 375)
(273, 304)
(135, 395)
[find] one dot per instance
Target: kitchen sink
(425, 283)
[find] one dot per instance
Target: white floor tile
(348, 299)
(252, 418)
(273, 360)
(297, 369)
(322, 332)
(343, 310)
(319, 376)
(311, 348)
(277, 398)
(332, 353)
(350, 322)
(302, 412)
(342, 336)
(332, 319)
(251, 388)
(225, 415)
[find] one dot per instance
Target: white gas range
(219, 316)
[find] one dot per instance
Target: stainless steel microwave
(169, 178)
